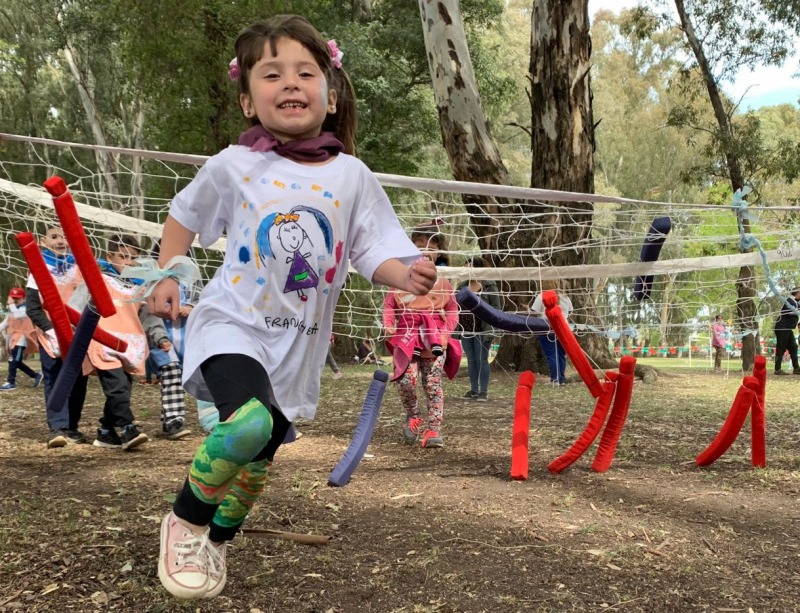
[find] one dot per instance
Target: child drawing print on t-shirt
(293, 239)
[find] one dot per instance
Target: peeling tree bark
(562, 143)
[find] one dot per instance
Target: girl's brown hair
(250, 47)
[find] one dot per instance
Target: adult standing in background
(784, 332)
(718, 341)
(476, 335)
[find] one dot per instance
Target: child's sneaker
(411, 429)
(183, 560)
(482, 397)
(37, 380)
(431, 439)
(7, 386)
(175, 430)
(58, 438)
(131, 437)
(107, 439)
(217, 568)
(470, 395)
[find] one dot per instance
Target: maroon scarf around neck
(317, 149)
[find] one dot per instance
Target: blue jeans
(476, 348)
(556, 357)
(15, 361)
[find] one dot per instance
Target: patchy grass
(427, 530)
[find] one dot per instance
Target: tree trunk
(83, 82)
(467, 139)
(745, 282)
(562, 142)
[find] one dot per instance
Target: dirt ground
(419, 530)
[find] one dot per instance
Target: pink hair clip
(233, 70)
(336, 54)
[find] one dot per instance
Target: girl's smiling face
(288, 92)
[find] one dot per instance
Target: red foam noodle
(758, 418)
(733, 423)
(522, 424)
(79, 244)
(592, 428)
(576, 355)
(619, 413)
(51, 299)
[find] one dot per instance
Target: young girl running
(297, 208)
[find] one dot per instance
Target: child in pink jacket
(419, 330)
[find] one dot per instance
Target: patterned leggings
(431, 371)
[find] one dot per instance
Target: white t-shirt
(564, 302)
(291, 231)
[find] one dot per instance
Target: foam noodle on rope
(758, 418)
(101, 336)
(651, 249)
(592, 428)
(522, 425)
(619, 413)
(76, 237)
(747, 393)
(340, 475)
(511, 322)
(571, 346)
(51, 299)
(73, 360)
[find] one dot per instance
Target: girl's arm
(417, 279)
(450, 318)
(389, 314)
(165, 301)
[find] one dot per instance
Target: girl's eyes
(303, 75)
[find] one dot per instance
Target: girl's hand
(164, 301)
(165, 345)
(185, 310)
(390, 330)
(421, 277)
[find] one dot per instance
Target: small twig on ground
(305, 539)
(709, 545)
(10, 598)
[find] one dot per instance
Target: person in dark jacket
(476, 335)
(784, 332)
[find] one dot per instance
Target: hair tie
(336, 54)
(233, 69)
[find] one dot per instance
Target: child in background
(331, 361)
(476, 335)
(419, 330)
(166, 359)
(296, 208)
(113, 368)
(21, 340)
(62, 421)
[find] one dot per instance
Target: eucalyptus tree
(724, 36)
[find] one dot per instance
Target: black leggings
(233, 379)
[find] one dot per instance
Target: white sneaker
(217, 568)
(183, 559)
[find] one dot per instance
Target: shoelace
(193, 552)
(215, 558)
(414, 423)
(428, 435)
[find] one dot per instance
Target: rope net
(693, 279)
